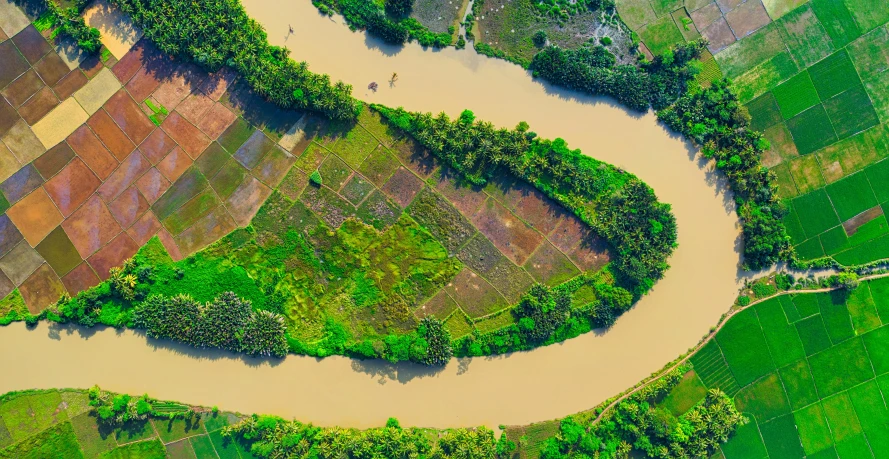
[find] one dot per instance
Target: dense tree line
(225, 323)
(273, 437)
(592, 69)
(395, 27)
(714, 119)
(617, 205)
(214, 33)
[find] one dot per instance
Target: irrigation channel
(520, 388)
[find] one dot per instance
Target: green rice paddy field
(813, 76)
(61, 424)
(809, 370)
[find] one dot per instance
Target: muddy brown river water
(520, 388)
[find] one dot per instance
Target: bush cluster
(70, 23)
(225, 323)
(714, 119)
(636, 424)
(117, 409)
(395, 27)
(216, 33)
(627, 213)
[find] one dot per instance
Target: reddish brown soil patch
(415, 157)
(152, 184)
(127, 114)
(23, 88)
(591, 254)
(72, 186)
(91, 227)
(403, 186)
(216, 121)
(512, 236)
(42, 289)
(130, 169)
(31, 44)
(111, 135)
(93, 153)
(194, 107)
(851, 226)
(157, 146)
(747, 18)
(540, 211)
(38, 106)
(466, 198)
(719, 34)
(70, 83)
(132, 61)
(80, 278)
(51, 69)
(170, 244)
(144, 228)
(35, 216)
(703, 17)
(143, 83)
(113, 254)
(174, 164)
(128, 207)
(13, 63)
(190, 138)
(568, 234)
(178, 84)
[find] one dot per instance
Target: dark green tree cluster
(225, 323)
(395, 27)
(592, 69)
(617, 205)
(273, 437)
(636, 424)
(70, 23)
(118, 409)
(714, 119)
(214, 33)
(541, 312)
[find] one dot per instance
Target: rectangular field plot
(810, 249)
(877, 345)
(870, 53)
(879, 289)
(710, 365)
(745, 348)
(836, 316)
(863, 311)
(795, 95)
(873, 250)
(781, 438)
(834, 240)
(851, 112)
(809, 130)
(685, 395)
(746, 443)
(813, 334)
(841, 416)
(815, 212)
(765, 398)
(813, 429)
(837, 21)
(834, 75)
(870, 408)
(798, 384)
(764, 112)
(840, 367)
(782, 338)
(804, 36)
(753, 50)
(851, 195)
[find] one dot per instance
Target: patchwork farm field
(813, 77)
(809, 370)
(349, 230)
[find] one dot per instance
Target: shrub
(743, 300)
(315, 177)
(539, 39)
(605, 41)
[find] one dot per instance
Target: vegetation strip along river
(521, 388)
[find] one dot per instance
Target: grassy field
(61, 424)
(809, 370)
(812, 74)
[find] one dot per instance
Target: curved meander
(546, 383)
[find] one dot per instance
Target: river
(520, 388)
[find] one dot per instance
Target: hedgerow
(217, 33)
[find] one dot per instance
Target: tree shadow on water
(402, 372)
